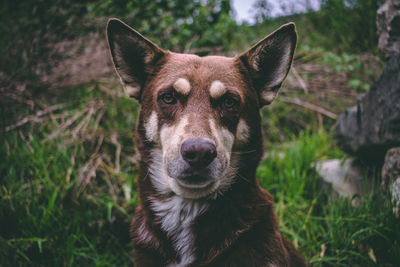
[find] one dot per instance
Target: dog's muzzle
(198, 154)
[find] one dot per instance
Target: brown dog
(199, 139)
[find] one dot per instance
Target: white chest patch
(176, 215)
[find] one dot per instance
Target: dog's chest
(176, 216)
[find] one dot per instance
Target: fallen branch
(66, 124)
(84, 122)
(26, 141)
(34, 117)
(300, 80)
(114, 141)
(309, 106)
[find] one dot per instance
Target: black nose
(198, 152)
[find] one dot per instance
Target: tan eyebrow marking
(182, 86)
(217, 89)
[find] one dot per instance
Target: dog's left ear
(134, 56)
(269, 61)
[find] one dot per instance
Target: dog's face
(193, 113)
(197, 113)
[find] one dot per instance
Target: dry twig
(65, 125)
(35, 117)
(84, 122)
(309, 106)
(25, 141)
(114, 141)
(300, 80)
(88, 171)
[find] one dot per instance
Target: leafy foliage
(261, 10)
(32, 26)
(348, 25)
(176, 25)
(28, 27)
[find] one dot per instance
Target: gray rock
(388, 27)
(370, 128)
(391, 167)
(345, 178)
(395, 192)
(391, 177)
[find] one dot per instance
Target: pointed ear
(133, 55)
(269, 61)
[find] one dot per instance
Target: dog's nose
(198, 152)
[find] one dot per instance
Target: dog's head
(198, 113)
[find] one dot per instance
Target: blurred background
(67, 153)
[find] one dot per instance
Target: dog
(199, 140)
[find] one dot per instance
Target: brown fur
(239, 226)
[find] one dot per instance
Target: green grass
(68, 200)
(53, 211)
(47, 219)
(313, 220)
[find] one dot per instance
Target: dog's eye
(229, 103)
(168, 99)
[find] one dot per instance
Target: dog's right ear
(133, 55)
(269, 61)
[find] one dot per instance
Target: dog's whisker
(147, 174)
(240, 176)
